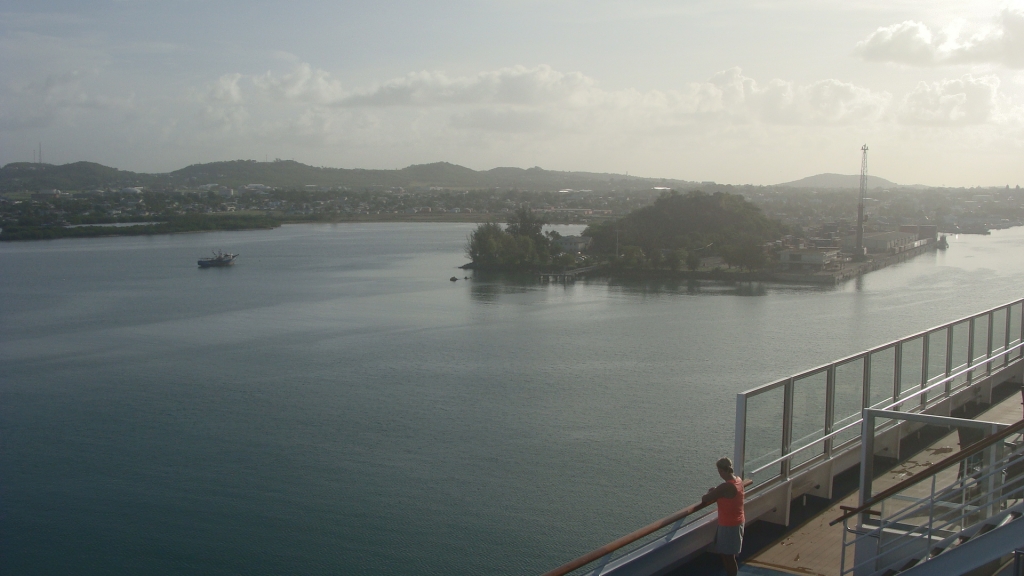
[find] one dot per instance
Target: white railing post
(739, 452)
(925, 346)
(897, 373)
(988, 345)
(787, 428)
(1006, 337)
(830, 408)
(949, 358)
(970, 349)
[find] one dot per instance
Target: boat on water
(219, 259)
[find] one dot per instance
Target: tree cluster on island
(521, 244)
(680, 229)
(676, 230)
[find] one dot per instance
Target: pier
(567, 275)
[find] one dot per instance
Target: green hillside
(290, 174)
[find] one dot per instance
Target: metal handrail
(933, 469)
(768, 387)
(631, 537)
(953, 376)
(961, 512)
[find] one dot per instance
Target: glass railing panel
(848, 399)
(961, 336)
(882, 376)
(936, 362)
(980, 339)
(763, 442)
(910, 370)
(1014, 320)
(999, 333)
(808, 415)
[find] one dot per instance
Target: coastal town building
(882, 242)
(808, 259)
(573, 244)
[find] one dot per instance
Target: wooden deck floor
(815, 548)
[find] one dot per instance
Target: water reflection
(488, 286)
(706, 287)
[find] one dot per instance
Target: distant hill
(838, 181)
(289, 174)
(74, 176)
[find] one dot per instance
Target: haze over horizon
(734, 92)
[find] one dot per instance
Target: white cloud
(517, 85)
(782, 102)
(966, 100)
(304, 84)
(520, 116)
(221, 102)
(916, 44)
(529, 99)
(39, 103)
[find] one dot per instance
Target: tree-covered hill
(694, 223)
(75, 176)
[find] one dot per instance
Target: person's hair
(724, 464)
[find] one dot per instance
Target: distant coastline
(216, 222)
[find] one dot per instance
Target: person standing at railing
(729, 497)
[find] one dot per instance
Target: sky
(739, 92)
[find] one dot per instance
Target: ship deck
(814, 548)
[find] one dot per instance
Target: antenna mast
(859, 254)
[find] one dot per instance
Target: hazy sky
(732, 91)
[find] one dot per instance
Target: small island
(676, 231)
(693, 235)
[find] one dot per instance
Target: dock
(566, 275)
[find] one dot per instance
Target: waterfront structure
(573, 244)
(923, 232)
(852, 418)
(884, 242)
(808, 260)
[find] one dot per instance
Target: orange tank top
(730, 510)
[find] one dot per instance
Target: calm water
(334, 405)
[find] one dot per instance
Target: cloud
(39, 103)
(520, 98)
(966, 100)
(517, 85)
(915, 44)
(304, 84)
(221, 102)
(781, 102)
(522, 115)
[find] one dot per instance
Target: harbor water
(333, 404)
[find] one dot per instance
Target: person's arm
(723, 490)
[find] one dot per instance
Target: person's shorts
(728, 540)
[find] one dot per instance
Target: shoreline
(826, 278)
(105, 230)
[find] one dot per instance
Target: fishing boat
(219, 259)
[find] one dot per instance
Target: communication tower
(859, 253)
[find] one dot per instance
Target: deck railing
(604, 553)
(820, 409)
(938, 509)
